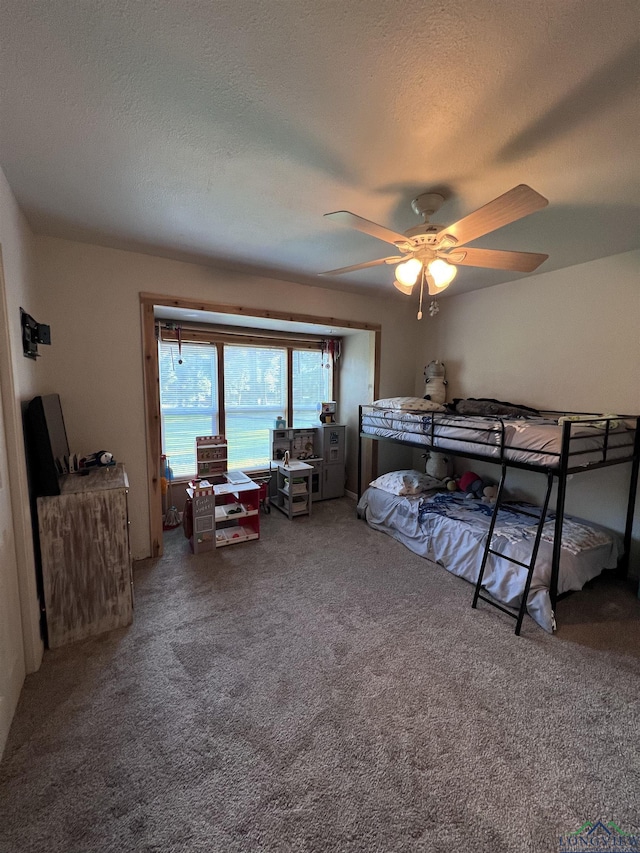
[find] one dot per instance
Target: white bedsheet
(535, 441)
(451, 531)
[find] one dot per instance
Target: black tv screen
(47, 444)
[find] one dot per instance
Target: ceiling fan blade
(494, 259)
(344, 217)
(394, 260)
(512, 205)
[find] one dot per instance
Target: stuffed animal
(489, 494)
(435, 383)
(471, 484)
(438, 466)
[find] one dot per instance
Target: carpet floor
(324, 689)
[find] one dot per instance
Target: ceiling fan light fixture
(403, 288)
(442, 273)
(432, 253)
(431, 285)
(408, 272)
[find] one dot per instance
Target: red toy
(471, 484)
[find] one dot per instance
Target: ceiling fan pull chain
(421, 291)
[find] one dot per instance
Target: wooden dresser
(86, 562)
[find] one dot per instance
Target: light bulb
(433, 289)
(442, 273)
(408, 272)
(403, 288)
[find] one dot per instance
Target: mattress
(451, 530)
(531, 441)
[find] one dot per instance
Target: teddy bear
(435, 383)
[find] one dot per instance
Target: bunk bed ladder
(529, 566)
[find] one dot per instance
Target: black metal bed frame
(560, 472)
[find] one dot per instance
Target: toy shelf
(234, 535)
(234, 511)
(211, 455)
(226, 513)
(293, 490)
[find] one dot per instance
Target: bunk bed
(556, 444)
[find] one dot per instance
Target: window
(188, 401)
(256, 393)
(311, 383)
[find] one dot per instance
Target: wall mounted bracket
(33, 333)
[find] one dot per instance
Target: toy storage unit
(224, 514)
(293, 488)
(323, 448)
(211, 456)
(237, 510)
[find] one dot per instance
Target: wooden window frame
(151, 377)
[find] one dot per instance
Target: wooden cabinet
(86, 563)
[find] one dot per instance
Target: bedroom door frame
(151, 377)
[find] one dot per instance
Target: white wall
(90, 298)
(20, 644)
(567, 339)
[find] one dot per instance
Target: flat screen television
(47, 444)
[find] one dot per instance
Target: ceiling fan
(434, 251)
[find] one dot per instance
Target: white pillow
(408, 404)
(405, 482)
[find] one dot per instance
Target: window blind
(311, 382)
(188, 401)
(256, 393)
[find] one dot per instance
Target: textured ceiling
(224, 130)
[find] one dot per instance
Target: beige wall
(90, 297)
(20, 645)
(568, 339)
(564, 339)
(356, 388)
